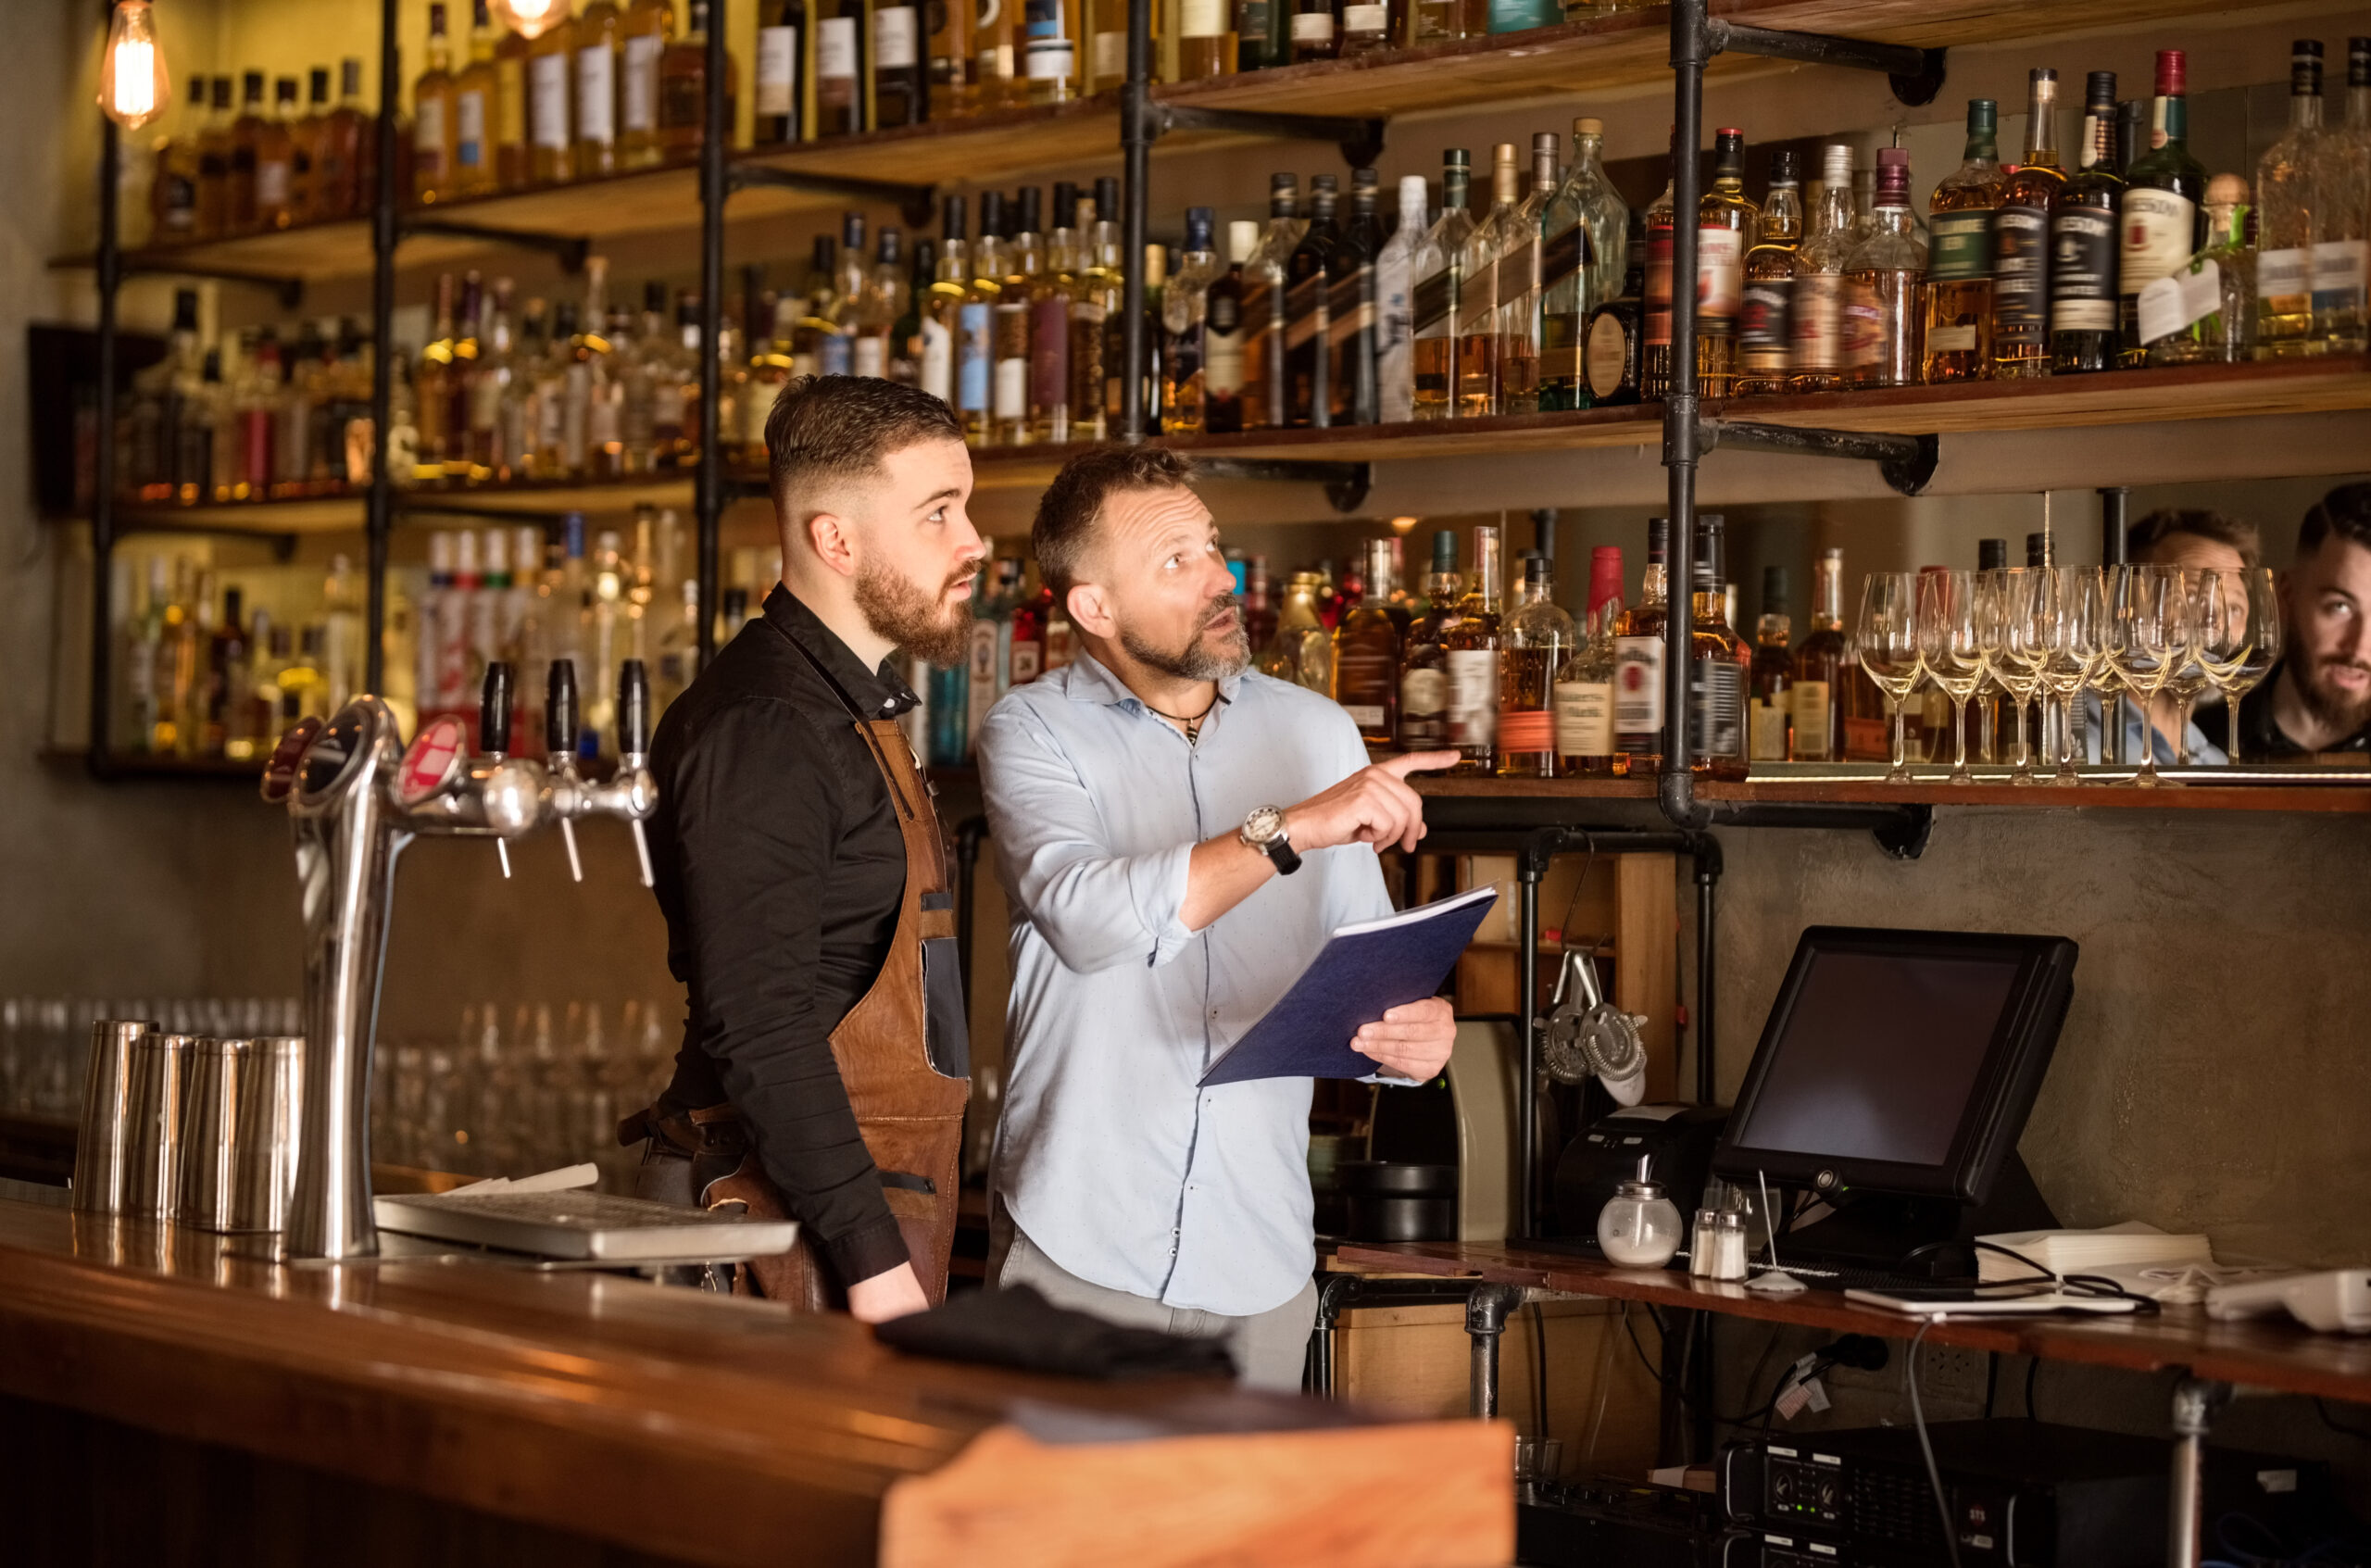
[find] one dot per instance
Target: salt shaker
(1701, 1243)
(1728, 1247)
(1638, 1227)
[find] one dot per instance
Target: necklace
(1193, 724)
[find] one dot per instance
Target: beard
(2344, 713)
(924, 624)
(1197, 661)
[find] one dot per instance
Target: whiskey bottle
(275, 159)
(1023, 261)
(309, 157)
(2204, 313)
(2285, 217)
(643, 41)
(954, 90)
(1769, 715)
(1539, 643)
(1222, 333)
(942, 309)
(1395, 295)
(2162, 224)
(598, 34)
(1479, 391)
(1582, 265)
(1881, 314)
(995, 57)
(246, 135)
(1258, 608)
(839, 70)
(214, 157)
(1049, 54)
(508, 106)
(550, 104)
(900, 80)
(1049, 316)
(1639, 715)
(2021, 240)
(1718, 664)
(2341, 208)
(1473, 644)
(2082, 242)
(1097, 297)
(975, 342)
(1352, 309)
(1308, 399)
(1438, 301)
(477, 109)
(778, 75)
(1956, 300)
(1424, 656)
(1265, 403)
(1654, 380)
(1770, 282)
(683, 89)
(1367, 653)
(1302, 651)
(1206, 45)
(1185, 327)
(1315, 37)
(1366, 28)
(1821, 669)
(1522, 266)
(1262, 34)
(1612, 356)
(1584, 694)
(878, 306)
(1815, 324)
(1726, 223)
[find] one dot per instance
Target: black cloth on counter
(1016, 1327)
(779, 868)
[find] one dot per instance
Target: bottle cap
(1991, 554)
(1785, 166)
(1107, 197)
(1242, 239)
(1198, 227)
(1836, 164)
(1415, 195)
(1589, 125)
(1364, 179)
(1643, 1185)
(1658, 540)
(1458, 157)
(1535, 568)
(991, 214)
(2172, 73)
(1774, 597)
(1982, 117)
(1033, 211)
(2099, 89)
(1444, 550)
(950, 222)
(1065, 203)
(2228, 190)
(1605, 576)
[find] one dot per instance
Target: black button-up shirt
(2261, 737)
(780, 869)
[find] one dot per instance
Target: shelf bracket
(1361, 140)
(1917, 74)
(289, 291)
(571, 249)
(915, 202)
(1346, 483)
(1906, 461)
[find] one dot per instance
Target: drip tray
(582, 1227)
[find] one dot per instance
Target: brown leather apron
(902, 1054)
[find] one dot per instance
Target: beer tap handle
(559, 740)
(633, 742)
(494, 732)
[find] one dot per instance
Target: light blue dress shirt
(2204, 753)
(1108, 1157)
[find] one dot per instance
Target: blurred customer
(2319, 697)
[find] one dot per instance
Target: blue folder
(1361, 972)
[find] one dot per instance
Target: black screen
(1879, 1055)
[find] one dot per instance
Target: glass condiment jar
(1638, 1227)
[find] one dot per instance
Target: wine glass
(2003, 632)
(2147, 636)
(2068, 609)
(2204, 590)
(1886, 640)
(1949, 649)
(2240, 638)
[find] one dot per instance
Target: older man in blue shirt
(1164, 894)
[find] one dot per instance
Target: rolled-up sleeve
(1095, 909)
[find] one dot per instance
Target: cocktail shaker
(152, 1151)
(268, 1114)
(103, 1145)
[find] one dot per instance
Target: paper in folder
(1361, 972)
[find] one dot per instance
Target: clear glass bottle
(1265, 386)
(1586, 230)
(2021, 240)
(1638, 1227)
(1639, 716)
(1584, 692)
(1770, 711)
(1308, 400)
(432, 122)
(1726, 224)
(1049, 318)
(1956, 300)
(1521, 266)
(1439, 302)
(1303, 649)
(1538, 644)
(1474, 645)
(2161, 220)
(1098, 294)
(1820, 668)
(975, 347)
(1352, 309)
(551, 103)
(1023, 260)
(1718, 664)
(2285, 218)
(943, 335)
(477, 107)
(2341, 181)
(2205, 312)
(1184, 312)
(1882, 275)
(900, 73)
(2084, 227)
(1762, 348)
(1477, 389)
(599, 34)
(1423, 654)
(1395, 291)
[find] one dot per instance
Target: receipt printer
(1680, 1137)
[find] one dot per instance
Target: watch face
(1263, 825)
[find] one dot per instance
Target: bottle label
(1951, 339)
(836, 47)
(1312, 27)
(1526, 731)
(1762, 324)
(1013, 389)
(1367, 716)
(2158, 226)
(2173, 305)
(777, 71)
(1473, 697)
(1583, 718)
(2338, 274)
(2082, 271)
(838, 357)
(1716, 708)
(596, 110)
(975, 358)
(1049, 353)
(1766, 730)
(1049, 47)
(1305, 311)
(1424, 708)
(510, 103)
(1223, 345)
(1608, 354)
(271, 183)
(469, 120)
(1028, 660)
(1657, 288)
(2284, 274)
(1720, 279)
(870, 356)
(896, 38)
(1108, 57)
(1365, 19)
(1816, 325)
(1814, 739)
(1959, 248)
(1349, 305)
(1563, 254)
(1435, 297)
(2020, 272)
(1195, 18)
(1638, 686)
(937, 375)
(1864, 325)
(548, 107)
(640, 88)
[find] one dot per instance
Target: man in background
(2317, 699)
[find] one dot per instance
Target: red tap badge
(431, 759)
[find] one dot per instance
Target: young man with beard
(2319, 697)
(1177, 839)
(797, 861)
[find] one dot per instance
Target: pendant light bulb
(529, 19)
(133, 86)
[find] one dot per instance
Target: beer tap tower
(358, 796)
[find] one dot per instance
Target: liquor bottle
(1395, 293)
(1473, 644)
(246, 135)
(878, 305)
(494, 369)
(436, 386)
(1049, 57)
(1424, 658)
(1762, 349)
(1207, 45)
(837, 349)
(551, 103)
(1366, 28)
(2083, 228)
(1115, 355)
(1477, 390)
(599, 35)
(975, 342)
(346, 167)
(2163, 223)
(1539, 643)
(1612, 360)
(1655, 372)
(948, 365)
(1315, 37)
(594, 391)
(2284, 216)
(1025, 649)
(1302, 650)
(143, 646)
(1771, 714)
(1815, 324)
(1726, 224)
(1222, 333)
(1881, 313)
(1956, 301)
(2021, 257)
(996, 59)
(508, 103)
(1522, 266)
(2204, 313)
(1367, 653)
(1350, 311)
(309, 153)
(1258, 609)
(1718, 664)
(1307, 369)
(900, 80)
(954, 90)
(1049, 316)
(275, 147)
(1098, 292)
(1023, 261)
(683, 92)
(1639, 715)
(226, 664)
(477, 107)
(648, 25)
(1436, 305)
(1820, 668)
(1262, 34)
(1265, 404)
(214, 163)
(1583, 696)
(1184, 325)
(2340, 203)
(173, 190)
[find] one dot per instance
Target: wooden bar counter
(604, 1419)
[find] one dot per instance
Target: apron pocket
(947, 1033)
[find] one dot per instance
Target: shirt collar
(882, 694)
(1091, 681)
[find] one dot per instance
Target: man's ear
(1090, 610)
(832, 538)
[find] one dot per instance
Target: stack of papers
(2108, 1250)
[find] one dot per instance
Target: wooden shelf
(2097, 792)
(2263, 1354)
(343, 513)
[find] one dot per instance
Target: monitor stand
(1875, 1231)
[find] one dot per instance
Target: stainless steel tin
(269, 1112)
(202, 1187)
(152, 1151)
(101, 1144)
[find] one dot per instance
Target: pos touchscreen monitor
(1900, 1061)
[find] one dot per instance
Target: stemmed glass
(2003, 632)
(1886, 641)
(2068, 609)
(1950, 648)
(2147, 639)
(2204, 594)
(2239, 637)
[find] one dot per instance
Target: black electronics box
(1609, 1522)
(2023, 1494)
(1680, 1138)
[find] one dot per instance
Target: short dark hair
(2198, 523)
(1066, 512)
(841, 427)
(2345, 513)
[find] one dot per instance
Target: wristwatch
(1264, 830)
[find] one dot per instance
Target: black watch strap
(1280, 850)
